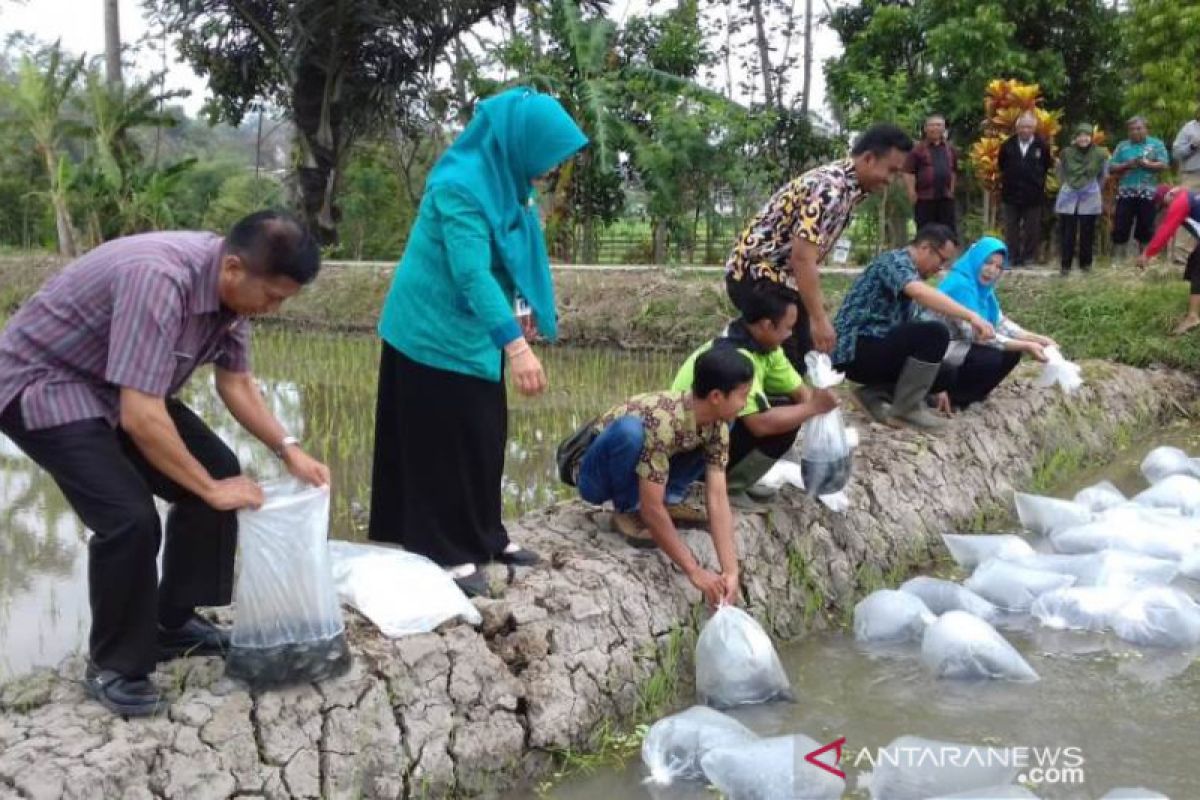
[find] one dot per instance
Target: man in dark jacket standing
(1024, 161)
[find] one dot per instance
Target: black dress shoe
(129, 697)
(196, 637)
(474, 585)
(519, 558)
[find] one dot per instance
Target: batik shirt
(670, 428)
(1139, 182)
(815, 207)
(876, 302)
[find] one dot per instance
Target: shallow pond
(322, 386)
(1129, 714)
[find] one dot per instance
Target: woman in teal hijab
(971, 370)
(448, 325)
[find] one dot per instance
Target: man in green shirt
(763, 431)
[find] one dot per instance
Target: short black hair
(765, 301)
(935, 234)
(880, 139)
(720, 368)
(272, 243)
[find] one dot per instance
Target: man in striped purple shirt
(89, 369)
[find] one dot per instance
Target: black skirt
(439, 458)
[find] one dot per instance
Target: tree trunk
(62, 212)
(660, 242)
(729, 50)
(764, 52)
(321, 142)
(808, 57)
(112, 42)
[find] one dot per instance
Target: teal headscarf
(513, 138)
(962, 282)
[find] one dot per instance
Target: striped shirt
(141, 312)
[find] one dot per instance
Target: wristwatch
(283, 445)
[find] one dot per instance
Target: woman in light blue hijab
(971, 370)
(448, 326)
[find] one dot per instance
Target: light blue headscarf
(962, 283)
(513, 138)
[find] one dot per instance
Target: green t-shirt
(773, 374)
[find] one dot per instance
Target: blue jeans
(607, 471)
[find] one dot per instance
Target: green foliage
(378, 211)
(1163, 39)
(239, 195)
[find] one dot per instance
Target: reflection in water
(323, 389)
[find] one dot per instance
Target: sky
(80, 26)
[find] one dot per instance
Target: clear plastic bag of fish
(1099, 497)
(1106, 568)
(1047, 515)
(825, 459)
(287, 625)
(1163, 462)
(962, 646)
(1152, 532)
(736, 664)
(887, 615)
(773, 769)
(1011, 587)
(1159, 617)
(402, 593)
(1058, 371)
(1088, 608)
(913, 768)
(941, 596)
(1178, 492)
(969, 550)
(1189, 567)
(674, 745)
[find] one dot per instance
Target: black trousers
(742, 442)
(1022, 232)
(1071, 226)
(111, 486)
(1134, 215)
(439, 461)
(940, 211)
(1191, 273)
(981, 371)
(879, 361)
(800, 342)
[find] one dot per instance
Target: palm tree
(36, 99)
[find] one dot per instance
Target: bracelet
(287, 442)
(520, 351)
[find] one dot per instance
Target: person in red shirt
(1183, 210)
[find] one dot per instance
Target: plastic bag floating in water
(960, 645)
(1008, 792)
(736, 664)
(1099, 497)
(1178, 492)
(1012, 587)
(969, 550)
(1159, 617)
(772, 769)
(674, 746)
(1047, 515)
(941, 596)
(887, 615)
(1163, 462)
(287, 623)
(1138, 793)
(825, 460)
(1079, 609)
(912, 768)
(1106, 568)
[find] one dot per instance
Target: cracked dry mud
(468, 712)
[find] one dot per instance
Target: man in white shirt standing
(1186, 150)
